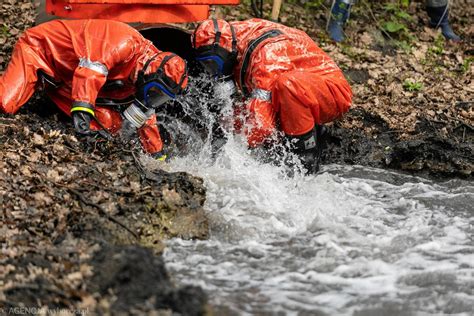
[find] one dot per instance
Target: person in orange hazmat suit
(83, 60)
(288, 82)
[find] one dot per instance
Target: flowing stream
(349, 241)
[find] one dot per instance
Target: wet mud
(83, 223)
(426, 153)
(141, 287)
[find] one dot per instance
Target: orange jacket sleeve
(260, 121)
(260, 112)
(87, 82)
(150, 137)
(116, 53)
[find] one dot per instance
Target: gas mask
(139, 111)
(216, 60)
(153, 90)
(215, 66)
(137, 114)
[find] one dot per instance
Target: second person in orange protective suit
(289, 83)
(85, 61)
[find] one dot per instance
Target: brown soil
(75, 215)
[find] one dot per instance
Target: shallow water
(349, 241)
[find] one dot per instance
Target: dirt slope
(75, 215)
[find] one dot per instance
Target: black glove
(161, 156)
(82, 121)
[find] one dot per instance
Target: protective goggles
(156, 94)
(213, 65)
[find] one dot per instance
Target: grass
(412, 86)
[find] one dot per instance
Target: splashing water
(349, 241)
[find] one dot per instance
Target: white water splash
(332, 243)
(349, 241)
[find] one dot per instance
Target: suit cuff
(159, 156)
(81, 106)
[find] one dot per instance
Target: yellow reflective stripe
(162, 158)
(83, 109)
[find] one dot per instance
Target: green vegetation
(314, 4)
(406, 46)
(412, 86)
(396, 25)
(438, 45)
(466, 65)
(4, 30)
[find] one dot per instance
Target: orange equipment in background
(142, 11)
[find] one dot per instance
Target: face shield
(156, 94)
(213, 65)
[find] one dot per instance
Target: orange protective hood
(205, 34)
(174, 68)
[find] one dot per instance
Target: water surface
(349, 241)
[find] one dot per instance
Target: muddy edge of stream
(82, 225)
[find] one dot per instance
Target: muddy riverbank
(82, 226)
(82, 223)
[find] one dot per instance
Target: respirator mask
(215, 59)
(153, 90)
(138, 112)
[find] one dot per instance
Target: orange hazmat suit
(288, 81)
(82, 56)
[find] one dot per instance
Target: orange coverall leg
(304, 99)
(18, 83)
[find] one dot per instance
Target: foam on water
(351, 240)
(338, 242)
